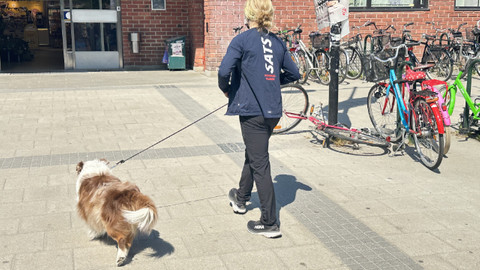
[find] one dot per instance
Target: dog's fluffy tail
(144, 218)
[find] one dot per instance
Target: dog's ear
(105, 161)
(79, 167)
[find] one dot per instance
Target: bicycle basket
(319, 40)
(374, 70)
(469, 34)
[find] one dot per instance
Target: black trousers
(256, 132)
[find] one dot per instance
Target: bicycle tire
(302, 67)
(383, 113)
(443, 67)
(356, 136)
(430, 142)
(294, 100)
(322, 61)
(342, 65)
(447, 137)
(459, 63)
(355, 66)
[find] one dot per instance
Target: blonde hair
(260, 12)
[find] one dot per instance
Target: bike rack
(466, 113)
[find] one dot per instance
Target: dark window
(158, 4)
(382, 5)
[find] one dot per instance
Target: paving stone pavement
(339, 208)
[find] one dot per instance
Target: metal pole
(334, 69)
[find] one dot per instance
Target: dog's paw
(121, 261)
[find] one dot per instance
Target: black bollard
(334, 69)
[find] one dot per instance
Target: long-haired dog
(110, 206)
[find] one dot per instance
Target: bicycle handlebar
(397, 49)
(460, 26)
(371, 23)
(436, 28)
(390, 26)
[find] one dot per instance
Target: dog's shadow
(153, 241)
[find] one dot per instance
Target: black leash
(203, 117)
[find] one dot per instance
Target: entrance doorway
(30, 36)
(91, 34)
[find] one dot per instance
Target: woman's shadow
(158, 246)
(286, 187)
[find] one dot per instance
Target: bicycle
(355, 53)
(395, 119)
(436, 60)
(379, 38)
(474, 105)
(298, 58)
(464, 51)
(295, 104)
(321, 44)
(314, 60)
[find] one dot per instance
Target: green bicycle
(472, 102)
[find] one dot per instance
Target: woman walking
(257, 62)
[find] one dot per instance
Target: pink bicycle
(295, 105)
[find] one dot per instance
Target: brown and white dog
(110, 206)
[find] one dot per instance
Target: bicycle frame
(404, 113)
(319, 124)
(309, 54)
(475, 107)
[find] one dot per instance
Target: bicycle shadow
(413, 154)
(286, 187)
(157, 245)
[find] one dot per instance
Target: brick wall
(181, 18)
(223, 15)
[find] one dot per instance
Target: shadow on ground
(158, 246)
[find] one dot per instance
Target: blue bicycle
(398, 112)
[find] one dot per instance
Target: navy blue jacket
(255, 66)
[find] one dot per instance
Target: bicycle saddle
(411, 75)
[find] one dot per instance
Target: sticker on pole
(330, 12)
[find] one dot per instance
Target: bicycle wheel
(447, 138)
(383, 112)
(459, 63)
(355, 66)
(294, 100)
(429, 143)
(443, 67)
(342, 65)
(322, 64)
(356, 136)
(302, 67)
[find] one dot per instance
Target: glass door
(91, 33)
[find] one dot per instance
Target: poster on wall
(330, 12)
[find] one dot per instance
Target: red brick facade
(208, 25)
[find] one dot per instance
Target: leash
(171, 135)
